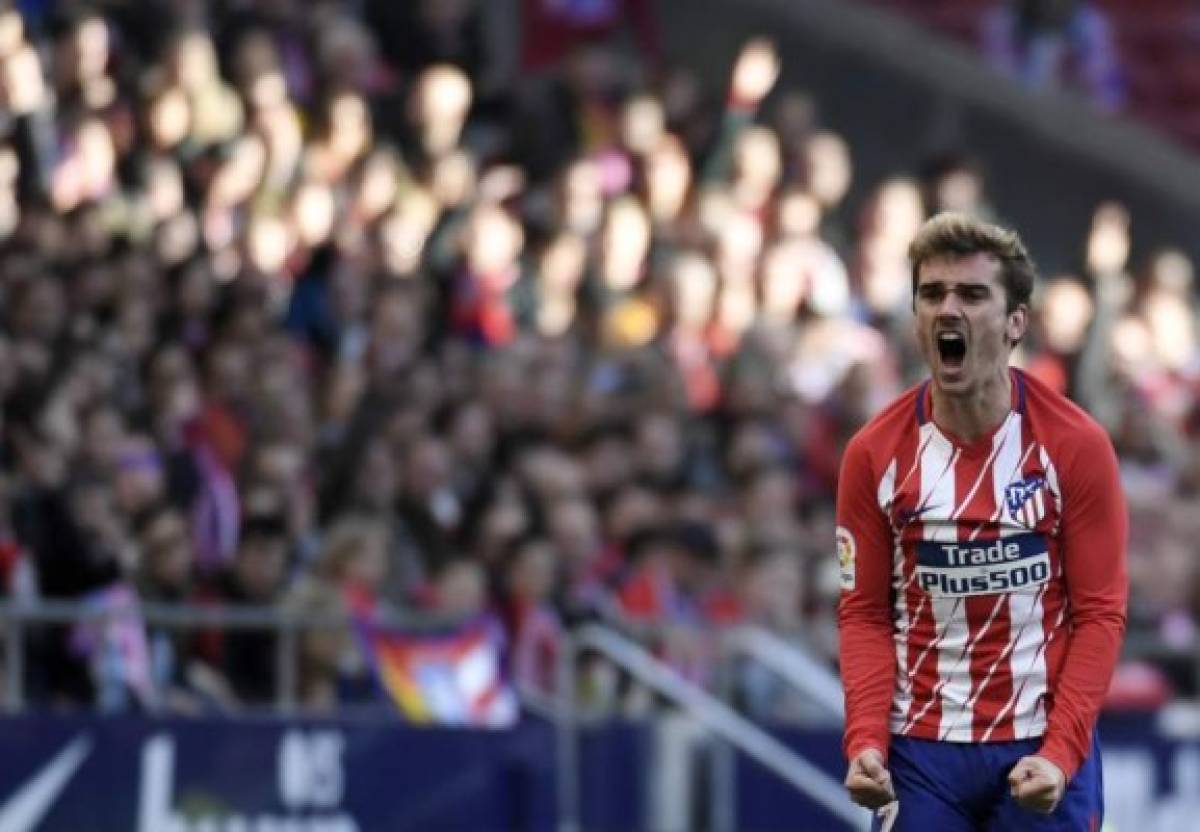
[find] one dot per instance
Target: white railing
(714, 715)
(791, 662)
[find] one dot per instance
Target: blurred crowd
(362, 307)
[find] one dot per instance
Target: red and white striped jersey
(983, 584)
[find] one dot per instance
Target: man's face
(962, 326)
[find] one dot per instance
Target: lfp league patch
(846, 554)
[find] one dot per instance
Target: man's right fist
(868, 780)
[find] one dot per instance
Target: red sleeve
(866, 645)
(1094, 539)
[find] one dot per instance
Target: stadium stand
(355, 312)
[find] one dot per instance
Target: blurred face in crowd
(39, 310)
(22, 84)
(504, 521)
(405, 230)
(228, 374)
(397, 330)
(366, 564)
(439, 106)
(87, 171)
(634, 508)
(10, 167)
(606, 464)
(193, 62)
(377, 185)
(268, 243)
(574, 530)
(346, 50)
(461, 589)
(896, 213)
(493, 240)
(963, 328)
(783, 281)
(1132, 347)
(562, 265)
(93, 512)
(798, 214)
(1108, 241)
(625, 244)
(659, 446)
(1065, 314)
(453, 178)
(642, 124)
(756, 159)
(350, 132)
(694, 282)
(169, 118)
(376, 479)
(532, 574)
(103, 436)
(426, 469)
(240, 175)
(959, 189)
(827, 161)
(279, 125)
(1172, 271)
(769, 496)
(751, 449)
(167, 552)
(260, 564)
(313, 213)
(884, 276)
(135, 325)
(140, 478)
(164, 189)
(739, 243)
(774, 590)
(668, 179)
(581, 201)
(1173, 329)
(12, 30)
(88, 49)
(473, 434)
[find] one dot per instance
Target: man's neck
(969, 417)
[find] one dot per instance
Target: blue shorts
(963, 787)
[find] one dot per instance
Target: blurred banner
(83, 774)
(92, 774)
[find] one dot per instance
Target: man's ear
(1017, 324)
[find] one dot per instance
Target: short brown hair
(955, 235)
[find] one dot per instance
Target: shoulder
(1064, 428)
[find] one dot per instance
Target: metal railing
(790, 662)
(709, 711)
(18, 617)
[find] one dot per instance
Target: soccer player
(981, 538)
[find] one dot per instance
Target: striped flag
(447, 678)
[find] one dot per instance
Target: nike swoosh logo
(29, 804)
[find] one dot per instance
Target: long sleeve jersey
(983, 584)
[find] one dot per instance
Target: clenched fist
(1037, 784)
(868, 780)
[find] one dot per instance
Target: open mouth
(952, 348)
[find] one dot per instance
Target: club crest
(1026, 500)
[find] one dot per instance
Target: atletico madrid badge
(1026, 500)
